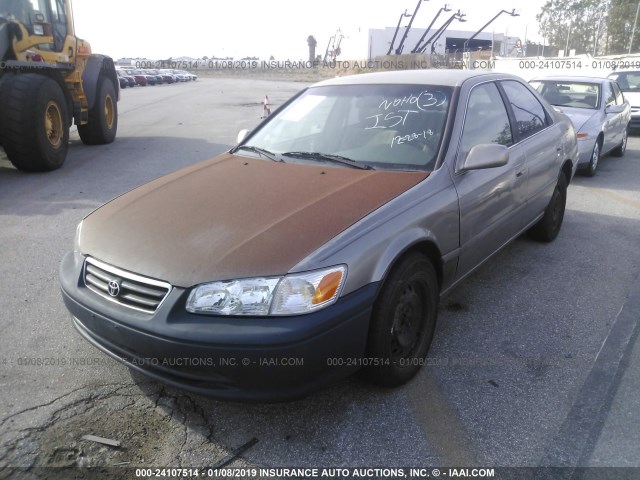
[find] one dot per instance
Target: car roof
(625, 70)
(570, 78)
(452, 78)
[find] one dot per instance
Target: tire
(620, 149)
(103, 117)
(35, 125)
(590, 171)
(547, 229)
(403, 321)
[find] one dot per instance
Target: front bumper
(241, 358)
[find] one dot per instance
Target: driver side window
(486, 120)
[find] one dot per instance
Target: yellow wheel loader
(48, 79)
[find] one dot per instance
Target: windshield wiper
(259, 151)
(330, 158)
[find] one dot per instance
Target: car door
(491, 200)
(541, 141)
(612, 121)
(625, 115)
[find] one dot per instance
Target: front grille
(125, 288)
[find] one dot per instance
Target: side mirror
(614, 109)
(486, 156)
(242, 134)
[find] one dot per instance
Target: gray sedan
(322, 243)
(598, 110)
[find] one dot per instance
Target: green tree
(572, 23)
(621, 17)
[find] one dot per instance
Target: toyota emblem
(114, 288)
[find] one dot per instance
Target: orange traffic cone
(266, 109)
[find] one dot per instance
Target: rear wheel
(403, 321)
(103, 117)
(547, 229)
(35, 126)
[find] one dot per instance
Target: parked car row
(598, 109)
(131, 77)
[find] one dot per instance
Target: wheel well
(429, 250)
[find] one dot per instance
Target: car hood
(234, 217)
(578, 116)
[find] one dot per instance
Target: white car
(629, 83)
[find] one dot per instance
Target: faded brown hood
(234, 217)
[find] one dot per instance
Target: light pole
(512, 13)
(459, 18)
(417, 48)
(458, 15)
(595, 40)
(633, 32)
(405, 14)
(566, 48)
(406, 30)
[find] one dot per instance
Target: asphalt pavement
(535, 360)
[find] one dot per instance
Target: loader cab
(39, 17)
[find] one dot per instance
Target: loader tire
(103, 117)
(35, 122)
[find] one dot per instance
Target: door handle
(559, 151)
(519, 174)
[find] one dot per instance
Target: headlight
(76, 241)
(289, 295)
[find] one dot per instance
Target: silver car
(321, 244)
(598, 110)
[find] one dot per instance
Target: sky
(196, 28)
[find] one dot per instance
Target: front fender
(98, 65)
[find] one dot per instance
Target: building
(450, 42)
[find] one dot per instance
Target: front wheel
(547, 229)
(103, 117)
(620, 149)
(403, 321)
(593, 163)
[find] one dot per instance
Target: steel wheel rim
(408, 321)
(53, 124)
(556, 212)
(109, 113)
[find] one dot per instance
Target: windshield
(569, 94)
(627, 81)
(396, 127)
(24, 11)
